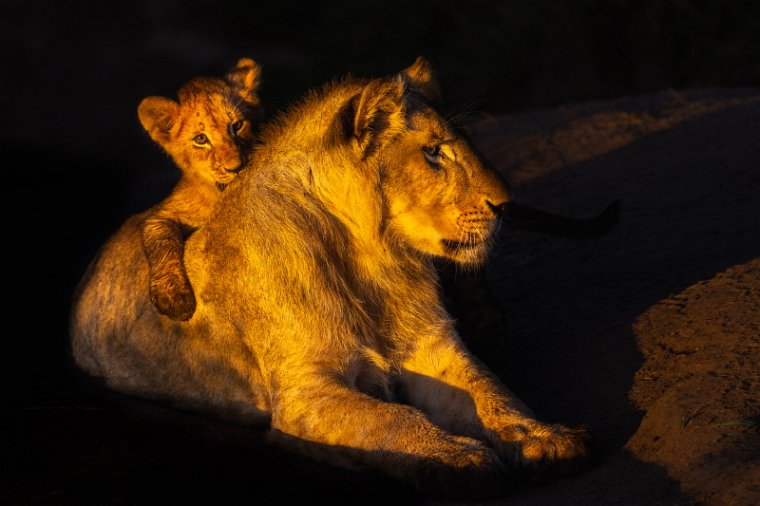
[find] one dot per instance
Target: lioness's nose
(499, 201)
(503, 200)
(498, 209)
(234, 169)
(498, 192)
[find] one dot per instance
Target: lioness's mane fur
(331, 242)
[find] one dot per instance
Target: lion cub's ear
(246, 77)
(157, 115)
(419, 75)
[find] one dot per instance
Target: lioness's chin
(465, 253)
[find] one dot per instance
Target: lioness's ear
(246, 77)
(419, 75)
(157, 116)
(378, 113)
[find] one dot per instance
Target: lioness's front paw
(548, 448)
(173, 296)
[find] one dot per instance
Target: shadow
(104, 447)
(689, 211)
(624, 479)
(111, 449)
(108, 448)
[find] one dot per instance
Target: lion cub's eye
(236, 127)
(200, 139)
(432, 155)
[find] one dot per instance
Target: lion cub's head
(209, 131)
(440, 196)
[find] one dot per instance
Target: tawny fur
(208, 134)
(319, 313)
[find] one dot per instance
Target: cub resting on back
(319, 313)
(207, 134)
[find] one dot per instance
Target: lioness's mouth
(460, 245)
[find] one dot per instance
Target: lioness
(319, 313)
(208, 134)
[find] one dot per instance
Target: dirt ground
(650, 335)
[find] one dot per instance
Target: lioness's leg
(328, 420)
(463, 396)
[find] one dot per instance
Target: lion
(207, 134)
(320, 316)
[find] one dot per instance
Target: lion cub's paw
(549, 449)
(173, 296)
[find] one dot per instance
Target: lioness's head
(209, 131)
(440, 195)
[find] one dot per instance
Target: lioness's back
(104, 304)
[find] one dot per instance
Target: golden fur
(319, 313)
(207, 134)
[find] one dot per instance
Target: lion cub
(207, 134)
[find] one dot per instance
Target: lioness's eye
(200, 139)
(432, 154)
(237, 126)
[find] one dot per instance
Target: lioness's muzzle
(525, 218)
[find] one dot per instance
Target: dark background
(76, 161)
